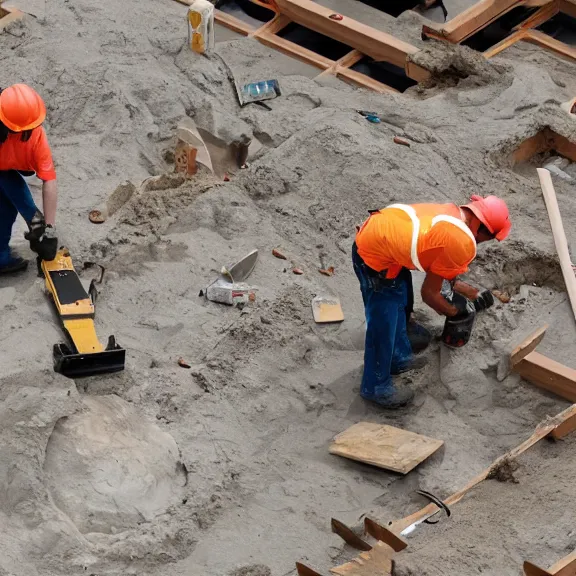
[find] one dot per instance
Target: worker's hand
(47, 246)
(484, 301)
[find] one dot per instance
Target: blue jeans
(15, 198)
(387, 346)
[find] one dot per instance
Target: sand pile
(267, 388)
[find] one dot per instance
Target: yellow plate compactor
(84, 355)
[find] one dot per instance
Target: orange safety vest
(426, 237)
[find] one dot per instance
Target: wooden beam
(293, 49)
(346, 61)
(545, 428)
(559, 235)
(506, 43)
(358, 79)
(563, 146)
(532, 146)
(274, 26)
(545, 41)
(540, 16)
(11, 15)
(233, 23)
(478, 16)
(527, 345)
(533, 570)
(368, 40)
(565, 567)
(567, 7)
(548, 374)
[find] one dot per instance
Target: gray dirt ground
(268, 388)
(501, 524)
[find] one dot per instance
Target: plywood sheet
(327, 309)
(384, 446)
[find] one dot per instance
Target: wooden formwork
(485, 12)
(362, 39)
(9, 15)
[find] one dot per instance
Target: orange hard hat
(493, 213)
(21, 108)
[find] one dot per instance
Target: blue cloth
(15, 198)
(387, 347)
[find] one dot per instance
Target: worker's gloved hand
(36, 227)
(465, 307)
(47, 245)
(484, 301)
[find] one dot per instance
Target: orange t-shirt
(32, 155)
(384, 242)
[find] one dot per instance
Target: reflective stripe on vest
(416, 230)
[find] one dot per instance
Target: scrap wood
(384, 535)
(556, 427)
(559, 235)
(401, 141)
(377, 562)
(564, 567)
(303, 570)
(527, 345)
(384, 446)
(348, 535)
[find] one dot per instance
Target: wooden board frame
(9, 15)
(363, 40)
(564, 567)
(486, 12)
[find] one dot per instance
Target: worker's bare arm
(432, 297)
(466, 290)
(49, 201)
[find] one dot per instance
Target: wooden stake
(559, 235)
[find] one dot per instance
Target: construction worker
(438, 239)
(23, 148)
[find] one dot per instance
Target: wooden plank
(274, 26)
(559, 235)
(11, 15)
(565, 567)
(346, 61)
(506, 43)
(303, 570)
(348, 535)
(233, 23)
(548, 374)
(545, 428)
(377, 562)
(567, 7)
(379, 45)
(363, 81)
(384, 535)
(545, 41)
(533, 570)
(384, 446)
(540, 16)
(293, 49)
(563, 146)
(416, 72)
(563, 429)
(527, 345)
(476, 17)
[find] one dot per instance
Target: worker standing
(24, 147)
(438, 239)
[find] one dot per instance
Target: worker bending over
(438, 239)
(23, 148)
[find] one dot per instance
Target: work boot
(419, 336)
(15, 264)
(397, 398)
(414, 364)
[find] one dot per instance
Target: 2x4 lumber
(475, 18)
(368, 40)
(346, 61)
(363, 81)
(233, 23)
(545, 41)
(540, 16)
(292, 49)
(506, 43)
(545, 428)
(565, 567)
(563, 146)
(559, 235)
(13, 15)
(568, 8)
(274, 26)
(527, 345)
(548, 374)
